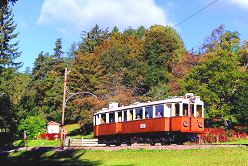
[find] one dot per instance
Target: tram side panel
(136, 126)
(107, 129)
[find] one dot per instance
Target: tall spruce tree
(8, 67)
(8, 51)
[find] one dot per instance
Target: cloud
(240, 3)
(85, 14)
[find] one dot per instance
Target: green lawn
(213, 156)
(37, 143)
(236, 141)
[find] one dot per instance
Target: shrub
(33, 125)
(53, 136)
(213, 134)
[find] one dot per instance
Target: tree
(240, 102)
(46, 85)
(8, 52)
(243, 55)
(32, 125)
(8, 67)
(220, 39)
(140, 32)
(215, 80)
(162, 47)
(121, 58)
(92, 39)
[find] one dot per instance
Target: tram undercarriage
(165, 138)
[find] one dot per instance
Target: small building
(53, 127)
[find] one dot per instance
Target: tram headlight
(200, 125)
(185, 124)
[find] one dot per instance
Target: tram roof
(138, 105)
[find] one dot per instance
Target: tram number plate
(142, 126)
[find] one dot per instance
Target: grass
(37, 143)
(71, 127)
(235, 141)
(213, 156)
(74, 132)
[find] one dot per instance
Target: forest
(136, 65)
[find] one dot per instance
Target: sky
(41, 22)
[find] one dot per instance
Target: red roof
(53, 123)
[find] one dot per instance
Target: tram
(176, 120)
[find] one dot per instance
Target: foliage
(214, 135)
(162, 48)
(33, 125)
(92, 39)
(8, 51)
(11, 82)
(217, 77)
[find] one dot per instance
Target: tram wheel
(118, 144)
(152, 143)
(129, 144)
(163, 143)
(107, 144)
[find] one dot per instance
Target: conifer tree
(8, 67)
(8, 51)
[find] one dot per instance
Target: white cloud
(85, 14)
(240, 3)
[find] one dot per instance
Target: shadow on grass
(46, 156)
(75, 132)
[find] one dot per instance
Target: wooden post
(63, 113)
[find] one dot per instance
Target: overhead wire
(195, 13)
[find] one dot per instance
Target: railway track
(156, 147)
(133, 147)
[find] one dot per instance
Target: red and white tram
(176, 119)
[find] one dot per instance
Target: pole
(63, 113)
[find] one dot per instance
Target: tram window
(111, 117)
(119, 116)
(177, 109)
(125, 115)
(131, 115)
(185, 109)
(198, 110)
(148, 113)
(139, 113)
(159, 111)
(192, 110)
(103, 118)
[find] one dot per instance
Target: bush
(213, 134)
(50, 136)
(33, 125)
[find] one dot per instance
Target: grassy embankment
(213, 156)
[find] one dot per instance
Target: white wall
(52, 129)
